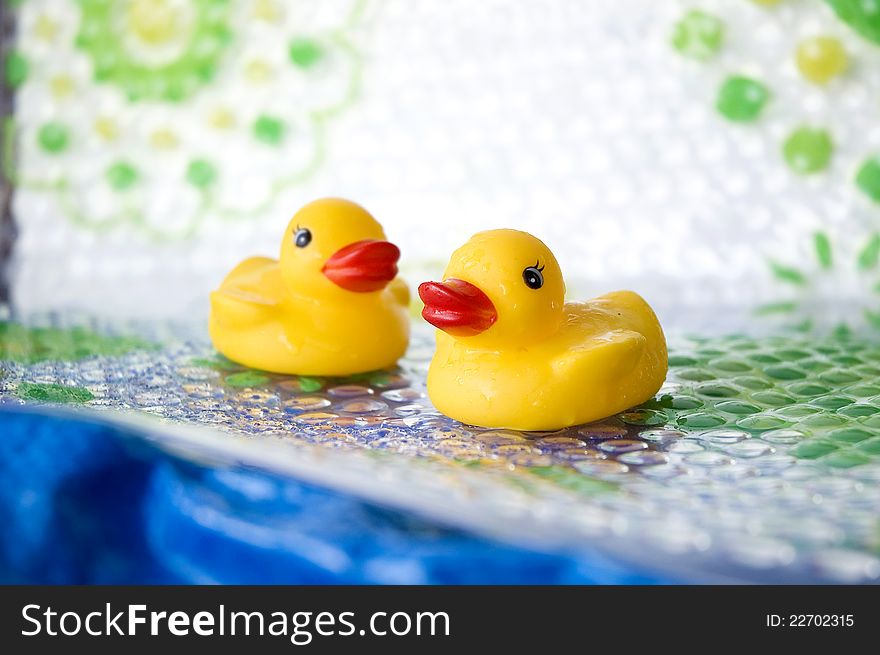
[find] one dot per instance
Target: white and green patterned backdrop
(718, 156)
(673, 147)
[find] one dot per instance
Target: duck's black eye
(533, 277)
(302, 237)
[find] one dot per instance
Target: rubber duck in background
(512, 354)
(332, 305)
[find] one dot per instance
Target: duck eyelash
(538, 265)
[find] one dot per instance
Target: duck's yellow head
(503, 288)
(333, 245)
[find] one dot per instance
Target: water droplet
(531, 460)
(389, 380)
(737, 407)
(723, 436)
(349, 391)
(772, 398)
(305, 403)
(643, 458)
(823, 420)
(403, 395)
(686, 402)
(660, 436)
(863, 390)
(809, 390)
(761, 422)
(301, 385)
(749, 449)
(858, 410)
(601, 467)
(717, 390)
(701, 420)
(783, 372)
(677, 361)
(500, 438)
(708, 458)
(686, 446)
(559, 443)
(797, 411)
(574, 454)
(410, 410)
(695, 375)
(617, 446)
(363, 406)
(786, 436)
(753, 383)
(663, 471)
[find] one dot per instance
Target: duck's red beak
(363, 266)
(457, 307)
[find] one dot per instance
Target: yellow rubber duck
(331, 305)
(512, 354)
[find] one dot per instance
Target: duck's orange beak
(457, 307)
(363, 265)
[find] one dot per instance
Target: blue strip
(80, 505)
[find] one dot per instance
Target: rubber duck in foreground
(331, 305)
(511, 353)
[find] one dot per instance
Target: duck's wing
(613, 354)
(245, 296)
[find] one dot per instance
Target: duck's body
(280, 316)
(578, 362)
(256, 322)
(608, 355)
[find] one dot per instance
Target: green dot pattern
(53, 138)
(868, 179)
(863, 16)
(741, 99)
(121, 176)
(305, 53)
(269, 130)
(808, 150)
(16, 69)
(698, 35)
(201, 173)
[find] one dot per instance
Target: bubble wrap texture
(759, 459)
(576, 121)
